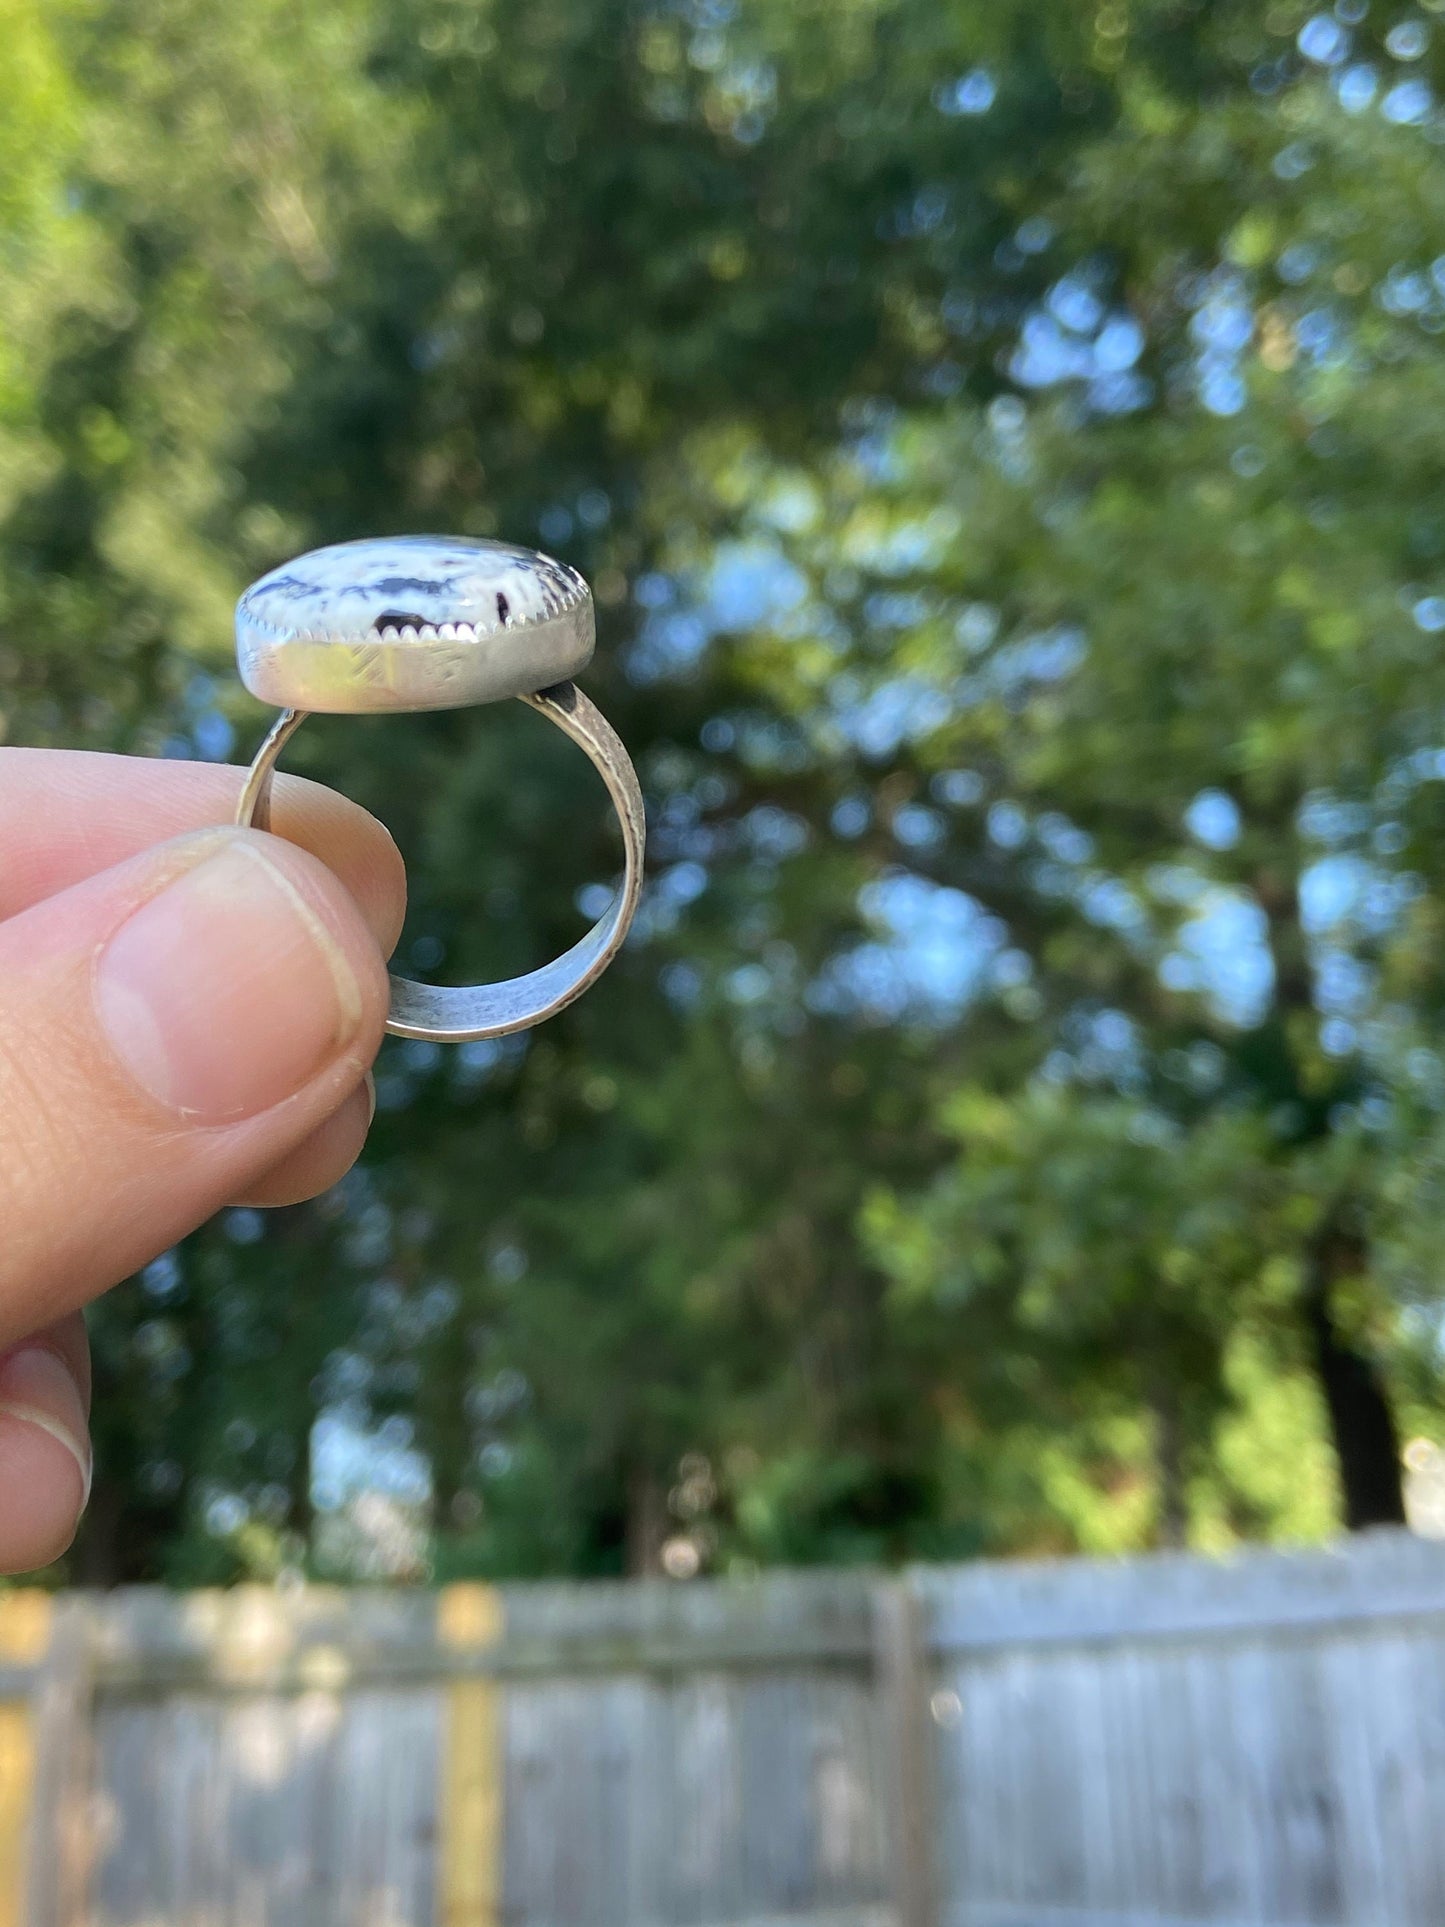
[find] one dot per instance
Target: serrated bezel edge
(428, 632)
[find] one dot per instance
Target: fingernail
(370, 1083)
(226, 993)
(36, 1386)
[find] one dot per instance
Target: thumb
(169, 1031)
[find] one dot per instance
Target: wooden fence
(1259, 1742)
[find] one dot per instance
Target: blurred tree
(997, 436)
(1171, 625)
(1102, 1254)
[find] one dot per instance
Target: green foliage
(1000, 437)
(1098, 1248)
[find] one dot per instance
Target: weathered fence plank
(61, 1837)
(903, 1686)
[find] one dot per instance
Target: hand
(187, 1017)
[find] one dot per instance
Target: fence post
(25, 1620)
(470, 1618)
(61, 1839)
(902, 1673)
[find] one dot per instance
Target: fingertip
(44, 1458)
(319, 1161)
(247, 974)
(344, 920)
(171, 1027)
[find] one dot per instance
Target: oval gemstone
(412, 622)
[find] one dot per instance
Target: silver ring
(439, 622)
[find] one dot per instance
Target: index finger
(66, 815)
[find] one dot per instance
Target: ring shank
(455, 1014)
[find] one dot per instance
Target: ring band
(462, 1013)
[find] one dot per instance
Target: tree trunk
(1169, 1465)
(300, 1516)
(95, 1558)
(1362, 1425)
(647, 1523)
